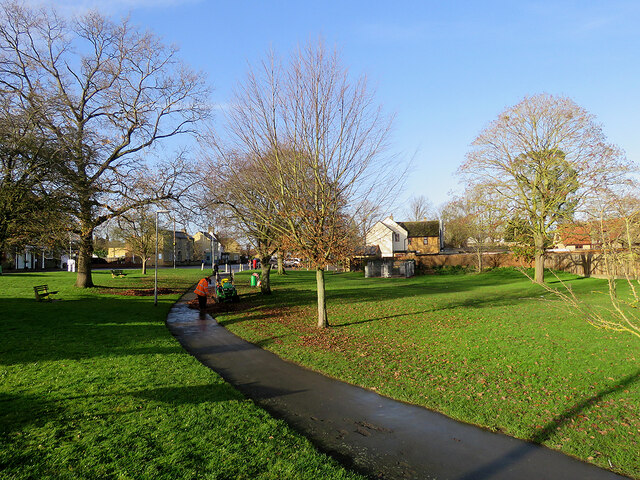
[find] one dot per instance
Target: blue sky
(446, 69)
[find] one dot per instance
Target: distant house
(118, 251)
(574, 236)
(393, 237)
(183, 248)
(587, 236)
(203, 244)
(230, 250)
(423, 237)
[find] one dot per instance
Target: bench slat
(42, 292)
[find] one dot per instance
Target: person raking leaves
(202, 291)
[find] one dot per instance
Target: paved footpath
(378, 436)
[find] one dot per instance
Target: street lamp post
(212, 251)
(155, 284)
(174, 243)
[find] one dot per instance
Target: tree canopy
(544, 157)
(104, 92)
(316, 137)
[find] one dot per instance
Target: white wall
(401, 244)
(382, 236)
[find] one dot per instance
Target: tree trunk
(144, 265)
(281, 270)
(323, 322)
(84, 280)
(479, 254)
(538, 242)
(265, 277)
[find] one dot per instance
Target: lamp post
(155, 284)
(212, 251)
(174, 243)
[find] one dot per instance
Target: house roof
(367, 251)
(179, 233)
(429, 228)
(575, 234)
(393, 225)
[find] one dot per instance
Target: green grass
(93, 386)
(490, 349)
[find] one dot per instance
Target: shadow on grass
(80, 328)
(298, 290)
(540, 436)
(18, 411)
(194, 394)
(547, 431)
(387, 317)
(352, 288)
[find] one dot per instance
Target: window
(396, 237)
(425, 240)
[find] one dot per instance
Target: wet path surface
(378, 436)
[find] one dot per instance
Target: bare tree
(419, 208)
(474, 220)
(106, 92)
(234, 184)
(544, 157)
(137, 228)
(317, 138)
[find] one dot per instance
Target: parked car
(292, 262)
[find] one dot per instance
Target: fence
(586, 263)
(389, 268)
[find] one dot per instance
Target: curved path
(376, 435)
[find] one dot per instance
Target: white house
(389, 236)
(420, 238)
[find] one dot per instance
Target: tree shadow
(348, 289)
(547, 431)
(257, 391)
(78, 329)
(515, 455)
(194, 394)
(387, 317)
(19, 411)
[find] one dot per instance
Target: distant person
(202, 291)
(215, 269)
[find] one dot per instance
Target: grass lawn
(490, 349)
(93, 386)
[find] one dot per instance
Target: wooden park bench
(118, 273)
(42, 293)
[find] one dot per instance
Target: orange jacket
(203, 288)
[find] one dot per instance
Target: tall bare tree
(235, 184)
(137, 228)
(318, 139)
(106, 92)
(419, 208)
(473, 219)
(544, 157)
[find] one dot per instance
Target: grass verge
(93, 386)
(489, 349)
